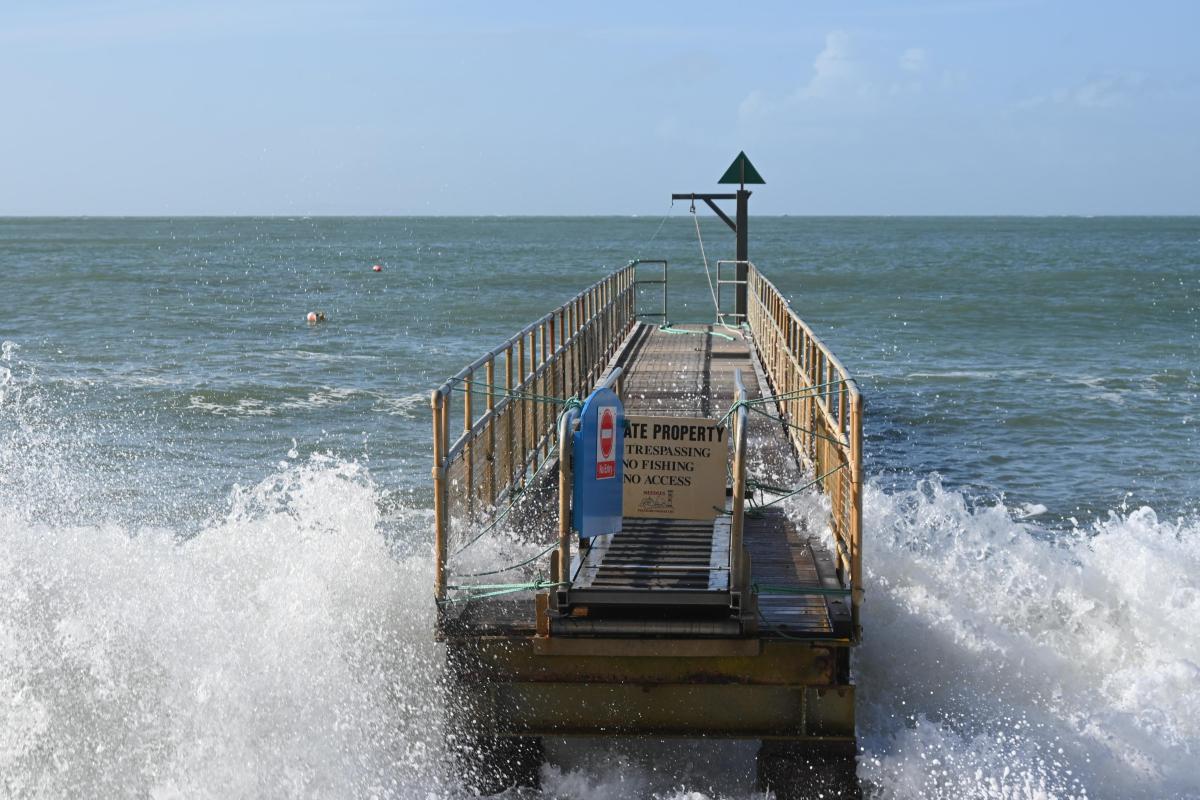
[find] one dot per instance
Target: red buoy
(377, 268)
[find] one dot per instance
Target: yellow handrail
(824, 406)
(503, 446)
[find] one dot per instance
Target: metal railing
(824, 409)
(737, 567)
(722, 282)
(503, 405)
(659, 281)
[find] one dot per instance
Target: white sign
(675, 467)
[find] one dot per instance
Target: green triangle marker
(741, 171)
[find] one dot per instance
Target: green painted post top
(741, 171)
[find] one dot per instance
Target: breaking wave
(283, 647)
(1004, 660)
(281, 651)
(286, 650)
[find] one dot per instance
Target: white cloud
(835, 71)
(844, 80)
(755, 103)
(1103, 93)
(912, 60)
(1096, 93)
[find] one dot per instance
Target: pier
(730, 621)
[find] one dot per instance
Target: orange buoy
(312, 318)
(377, 268)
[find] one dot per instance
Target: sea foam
(1003, 660)
(281, 651)
(286, 650)
(284, 646)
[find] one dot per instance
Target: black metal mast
(741, 172)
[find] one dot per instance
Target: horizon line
(1000, 215)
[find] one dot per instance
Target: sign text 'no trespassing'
(674, 467)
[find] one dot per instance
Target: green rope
(786, 590)
(669, 329)
(484, 587)
(777, 629)
(747, 404)
(732, 409)
(514, 497)
(510, 568)
(809, 431)
(809, 590)
(808, 485)
(795, 393)
(766, 487)
(495, 590)
(519, 492)
(738, 329)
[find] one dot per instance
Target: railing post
(568, 352)
(581, 332)
(510, 409)
(439, 497)
(565, 439)
(589, 337)
(469, 447)
(589, 341)
(606, 328)
(523, 403)
(552, 372)
(742, 236)
(841, 409)
(560, 366)
(491, 444)
(535, 406)
(856, 414)
(548, 388)
(606, 317)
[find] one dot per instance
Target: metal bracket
(708, 199)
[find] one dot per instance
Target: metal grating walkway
(655, 562)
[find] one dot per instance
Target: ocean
(215, 518)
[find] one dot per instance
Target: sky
(356, 107)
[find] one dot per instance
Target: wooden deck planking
(784, 560)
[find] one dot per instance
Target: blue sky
(922, 107)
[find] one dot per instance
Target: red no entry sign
(606, 454)
(597, 490)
